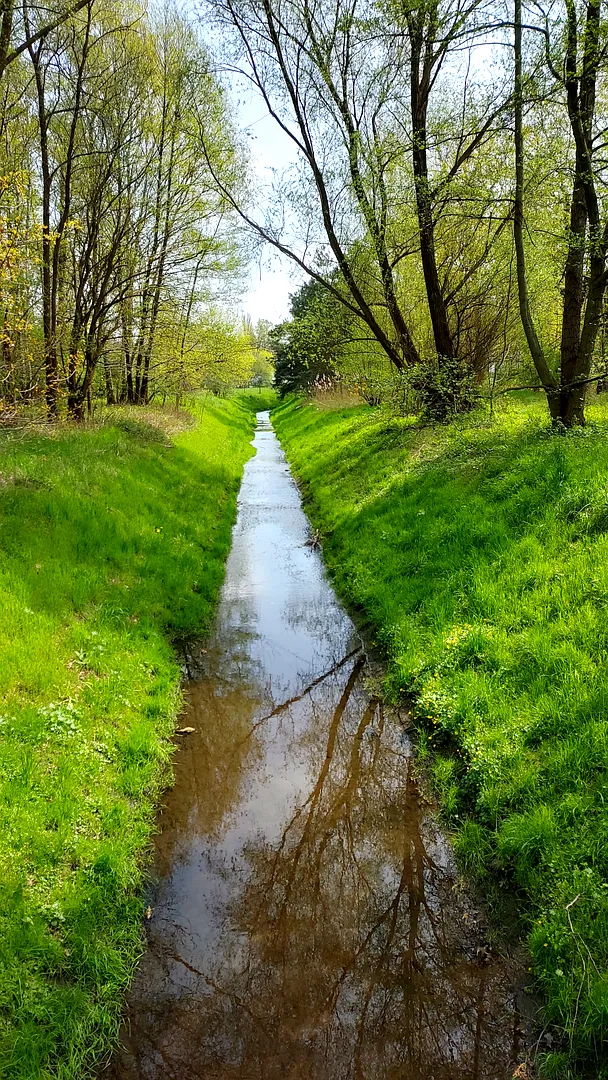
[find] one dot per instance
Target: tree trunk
(110, 395)
(572, 407)
(587, 238)
(79, 396)
(130, 387)
(545, 375)
(573, 300)
(50, 345)
(126, 322)
(586, 233)
(7, 8)
(444, 343)
(145, 382)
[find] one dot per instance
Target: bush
(444, 388)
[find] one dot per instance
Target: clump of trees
(448, 195)
(115, 240)
(447, 199)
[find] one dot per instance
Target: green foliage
(127, 178)
(257, 400)
(308, 346)
(113, 542)
(478, 556)
(262, 369)
(444, 390)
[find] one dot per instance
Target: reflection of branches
(412, 881)
(396, 982)
(314, 797)
(345, 796)
(340, 951)
(235, 999)
(285, 705)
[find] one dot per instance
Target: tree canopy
(447, 197)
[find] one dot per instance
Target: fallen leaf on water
(148, 913)
(185, 731)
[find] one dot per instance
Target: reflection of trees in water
(211, 767)
(312, 630)
(352, 931)
(323, 620)
(346, 955)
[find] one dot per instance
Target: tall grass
(112, 546)
(478, 554)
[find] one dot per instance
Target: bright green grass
(478, 554)
(112, 544)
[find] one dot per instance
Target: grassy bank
(478, 554)
(112, 545)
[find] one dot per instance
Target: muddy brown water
(308, 920)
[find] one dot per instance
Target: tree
(180, 241)
(585, 270)
(133, 230)
(31, 37)
(311, 344)
(353, 94)
(434, 28)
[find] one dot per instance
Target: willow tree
(432, 31)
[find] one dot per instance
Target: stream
(307, 920)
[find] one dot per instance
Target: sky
(272, 276)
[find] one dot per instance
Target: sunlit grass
(478, 555)
(112, 543)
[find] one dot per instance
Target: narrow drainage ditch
(308, 918)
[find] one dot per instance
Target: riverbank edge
(114, 538)
(567, 1049)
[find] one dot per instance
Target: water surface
(308, 921)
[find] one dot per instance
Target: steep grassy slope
(112, 544)
(478, 555)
